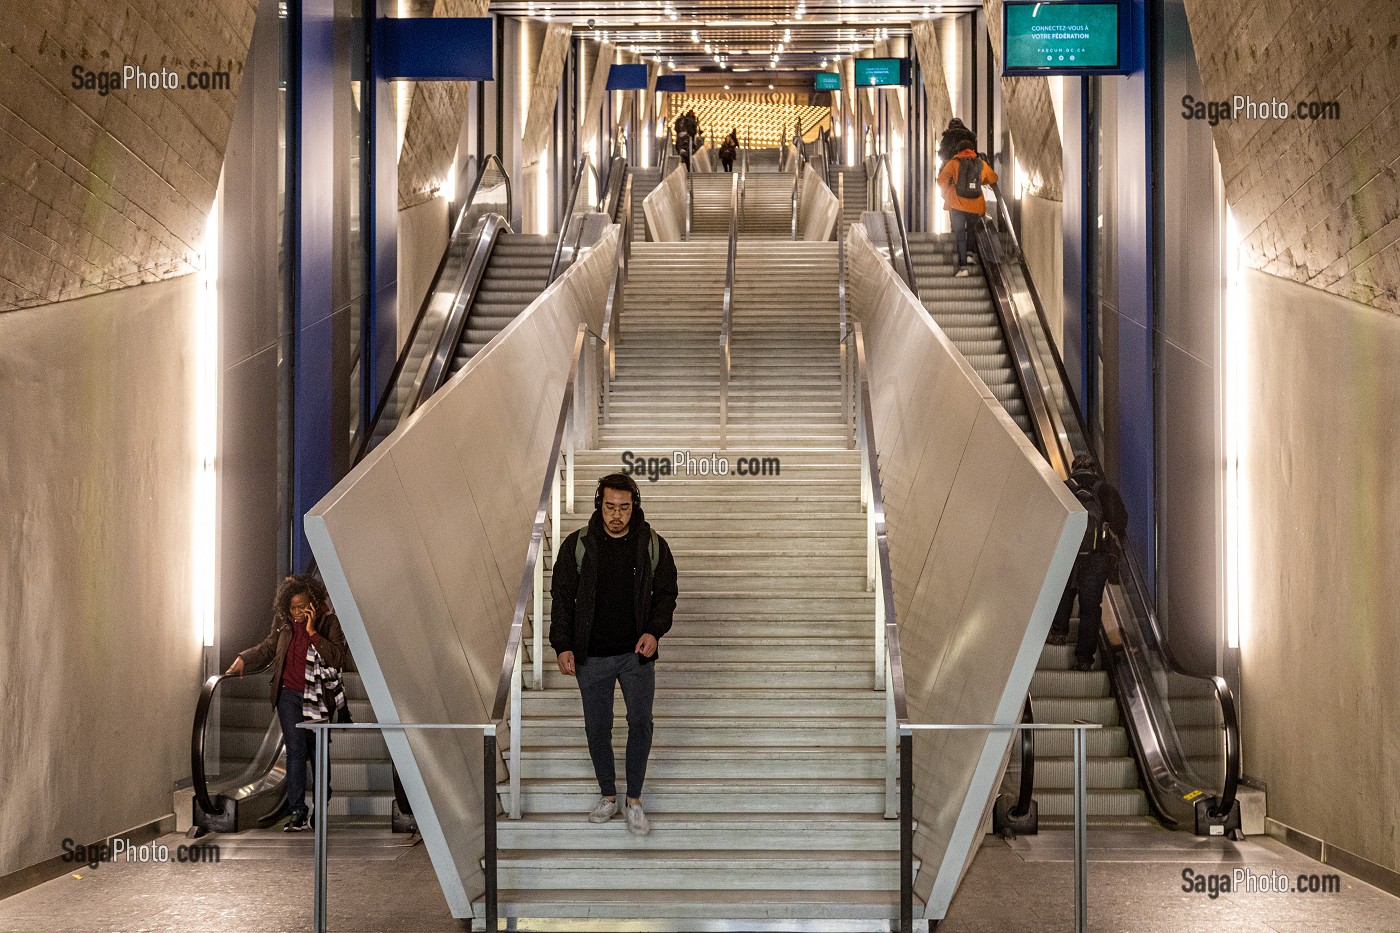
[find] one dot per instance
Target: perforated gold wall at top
(761, 119)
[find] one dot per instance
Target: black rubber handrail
(571, 206)
(1022, 807)
(198, 775)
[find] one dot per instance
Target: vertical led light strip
(204, 528)
(1236, 360)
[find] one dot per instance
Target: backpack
(969, 184)
(1096, 531)
(653, 551)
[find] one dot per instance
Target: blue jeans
(597, 678)
(301, 748)
(960, 221)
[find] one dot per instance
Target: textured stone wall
(1317, 202)
(1030, 113)
(436, 110)
(101, 191)
(930, 54)
(544, 92)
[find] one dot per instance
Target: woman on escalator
(307, 650)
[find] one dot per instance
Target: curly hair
(293, 586)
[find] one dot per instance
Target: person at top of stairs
(1095, 562)
(614, 591)
(961, 180)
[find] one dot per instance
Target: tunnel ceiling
(747, 32)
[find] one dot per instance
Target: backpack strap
(653, 550)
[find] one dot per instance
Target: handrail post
(555, 523)
(488, 822)
(906, 830)
(1081, 834)
(891, 747)
(515, 728)
(537, 626)
(321, 740)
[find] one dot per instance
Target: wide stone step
(758, 733)
(683, 870)
(599, 911)
(710, 674)
(726, 762)
(821, 794)
(788, 832)
(729, 702)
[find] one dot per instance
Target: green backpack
(653, 551)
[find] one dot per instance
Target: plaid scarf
(324, 694)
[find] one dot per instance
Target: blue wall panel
(312, 183)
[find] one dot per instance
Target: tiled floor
(1135, 886)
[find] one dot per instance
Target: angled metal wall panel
(982, 539)
(423, 545)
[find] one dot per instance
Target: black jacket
(573, 590)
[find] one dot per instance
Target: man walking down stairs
(766, 786)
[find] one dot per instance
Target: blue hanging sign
(674, 83)
(435, 48)
(627, 78)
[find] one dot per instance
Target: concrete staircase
(710, 213)
(767, 212)
(643, 182)
(963, 308)
(766, 780)
(514, 277)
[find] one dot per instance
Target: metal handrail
(509, 684)
(796, 180)
(725, 323)
(199, 737)
(882, 162)
(889, 663)
(570, 208)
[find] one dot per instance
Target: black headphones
(616, 481)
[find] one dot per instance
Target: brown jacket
(329, 641)
(948, 182)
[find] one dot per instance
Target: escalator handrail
(198, 737)
(438, 368)
(571, 207)
(1034, 393)
(1221, 689)
(403, 357)
(882, 162)
(1027, 787)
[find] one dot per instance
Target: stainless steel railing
(885, 199)
(726, 321)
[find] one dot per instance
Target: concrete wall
(99, 656)
(1042, 240)
(1320, 642)
(422, 241)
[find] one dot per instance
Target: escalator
(1169, 749)
(487, 276)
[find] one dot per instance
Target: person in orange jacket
(961, 180)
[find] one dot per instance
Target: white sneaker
(637, 822)
(604, 810)
(961, 273)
